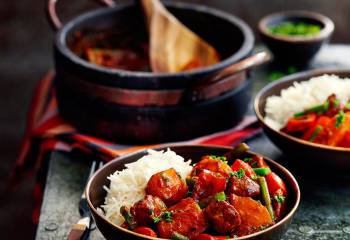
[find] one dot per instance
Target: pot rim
(244, 50)
(286, 173)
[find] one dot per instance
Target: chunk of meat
(168, 186)
(213, 165)
(222, 216)
(207, 184)
(243, 186)
(187, 219)
(253, 214)
(144, 210)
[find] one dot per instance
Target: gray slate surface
(324, 212)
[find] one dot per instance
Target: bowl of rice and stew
(193, 192)
(307, 115)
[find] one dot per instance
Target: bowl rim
(285, 171)
(325, 32)
(244, 50)
(299, 77)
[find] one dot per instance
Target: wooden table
(324, 212)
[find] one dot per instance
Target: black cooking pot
(148, 107)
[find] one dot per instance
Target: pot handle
(226, 79)
(249, 62)
(53, 18)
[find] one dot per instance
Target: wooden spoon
(174, 47)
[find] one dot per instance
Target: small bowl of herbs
(295, 37)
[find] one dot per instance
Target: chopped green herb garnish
(238, 174)
(279, 198)
(129, 219)
(166, 216)
(254, 177)
(254, 164)
(247, 159)
(222, 158)
(317, 130)
(295, 29)
(220, 196)
(262, 171)
(340, 118)
(347, 106)
(157, 219)
(274, 75)
(336, 103)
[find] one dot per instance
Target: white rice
(304, 95)
(128, 186)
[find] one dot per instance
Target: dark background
(26, 55)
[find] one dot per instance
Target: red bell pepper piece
(145, 231)
(302, 123)
(204, 236)
(258, 162)
(278, 193)
(346, 140)
(317, 132)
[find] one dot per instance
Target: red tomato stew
(117, 50)
(327, 123)
(220, 198)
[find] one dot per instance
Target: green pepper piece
(178, 236)
(314, 134)
(262, 171)
(266, 196)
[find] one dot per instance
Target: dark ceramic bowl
(295, 50)
(87, 93)
(303, 153)
(95, 193)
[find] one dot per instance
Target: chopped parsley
(289, 28)
(336, 103)
(247, 159)
(254, 164)
(340, 118)
(274, 75)
(347, 106)
(220, 196)
(222, 158)
(238, 174)
(166, 216)
(279, 198)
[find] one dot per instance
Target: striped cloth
(46, 131)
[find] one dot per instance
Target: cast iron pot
(143, 107)
(96, 194)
